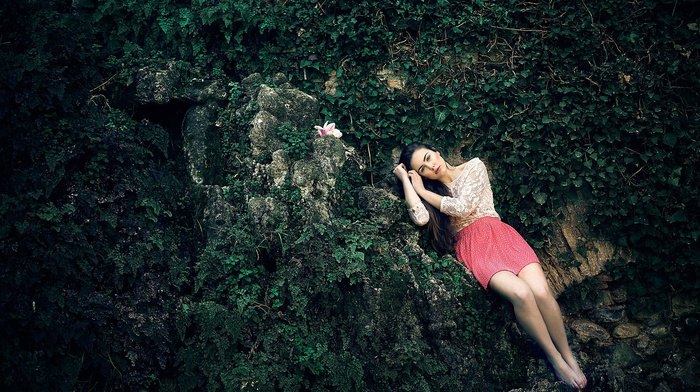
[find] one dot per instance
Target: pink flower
(328, 129)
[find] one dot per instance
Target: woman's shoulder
(474, 164)
(470, 164)
(473, 161)
(466, 167)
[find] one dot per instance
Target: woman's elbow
(420, 221)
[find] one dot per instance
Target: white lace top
(471, 198)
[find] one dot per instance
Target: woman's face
(428, 163)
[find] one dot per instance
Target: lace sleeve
(467, 191)
(419, 215)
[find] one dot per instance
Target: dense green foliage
(107, 281)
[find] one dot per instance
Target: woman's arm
(417, 183)
(410, 194)
(416, 209)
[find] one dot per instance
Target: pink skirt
(488, 245)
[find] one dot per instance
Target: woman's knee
(534, 277)
(521, 294)
(511, 287)
(542, 292)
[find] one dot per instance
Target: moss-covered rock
(202, 145)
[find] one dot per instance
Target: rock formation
(620, 350)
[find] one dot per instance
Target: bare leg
(528, 314)
(533, 275)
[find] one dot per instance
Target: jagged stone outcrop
(314, 176)
(267, 212)
(590, 254)
(156, 85)
(263, 135)
(202, 145)
(160, 85)
(200, 136)
(279, 106)
(384, 205)
(290, 105)
(218, 214)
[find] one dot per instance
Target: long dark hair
(441, 235)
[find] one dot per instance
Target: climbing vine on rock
(109, 278)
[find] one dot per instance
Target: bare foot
(580, 377)
(564, 373)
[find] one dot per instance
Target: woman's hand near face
(432, 198)
(416, 180)
(400, 172)
(411, 175)
(413, 185)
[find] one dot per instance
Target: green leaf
(540, 197)
(440, 116)
(670, 139)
